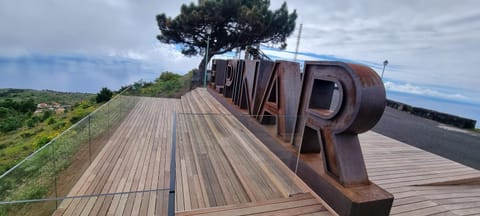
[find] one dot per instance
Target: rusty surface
(230, 78)
(238, 82)
(338, 101)
(331, 102)
(281, 96)
(245, 95)
(264, 70)
(219, 67)
(364, 200)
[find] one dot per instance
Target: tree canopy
(231, 23)
(104, 95)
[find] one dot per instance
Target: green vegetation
(167, 85)
(22, 131)
(104, 95)
(59, 160)
(46, 96)
(14, 113)
(47, 172)
(226, 25)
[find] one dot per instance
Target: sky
(432, 46)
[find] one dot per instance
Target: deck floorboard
(223, 169)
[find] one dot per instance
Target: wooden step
(298, 204)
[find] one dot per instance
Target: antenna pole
(298, 41)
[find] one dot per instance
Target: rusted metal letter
(219, 67)
(281, 98)
(263, 73)
(338, 101)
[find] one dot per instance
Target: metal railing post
(54, 175)
(90, 139)
(120, 107)
(108, 116)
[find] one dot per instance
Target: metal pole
(385, 63)
(206, 63)
(108, 116)
(54, 175)
(298, 42)
(90, 139)
(383, 71)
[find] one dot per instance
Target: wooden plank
(230, 159)
(294, 211)
(116, 169)
(424, 211)
(209, 171)
(266, 208)
(296, 197)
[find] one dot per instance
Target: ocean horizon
(89, 75)
(87, 83)
(453, 107)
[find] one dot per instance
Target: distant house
(56, 105)
(60, 110)
(42, 106)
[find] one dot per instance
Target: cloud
(88, 26)
(422, 42)
(426, 43)
(412, 89)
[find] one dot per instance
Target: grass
(168, 85)
(35, 178)
(47, 96)
(64, 157)
(22, 141)
(16, 145)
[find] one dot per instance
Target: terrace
(198, 156)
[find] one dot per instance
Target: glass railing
(37, 184)
(42, 183)
(151, 202)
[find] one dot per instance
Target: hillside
(31, 118)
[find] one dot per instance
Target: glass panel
(153, 202)
(33, 178)
(37, 208)
(72, 156)
(54, 169)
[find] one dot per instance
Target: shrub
(51, 121)
(31, 123)
(42, 141)
(59, 125)
(9, 124)
(78, 114)
(46, 115)
(104, 95)
(5, 112)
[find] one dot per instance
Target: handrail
(64, 132)
(82, 196)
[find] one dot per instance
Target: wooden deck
(223, 169)
(422, 183)
(135, 159)
(219, 163)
